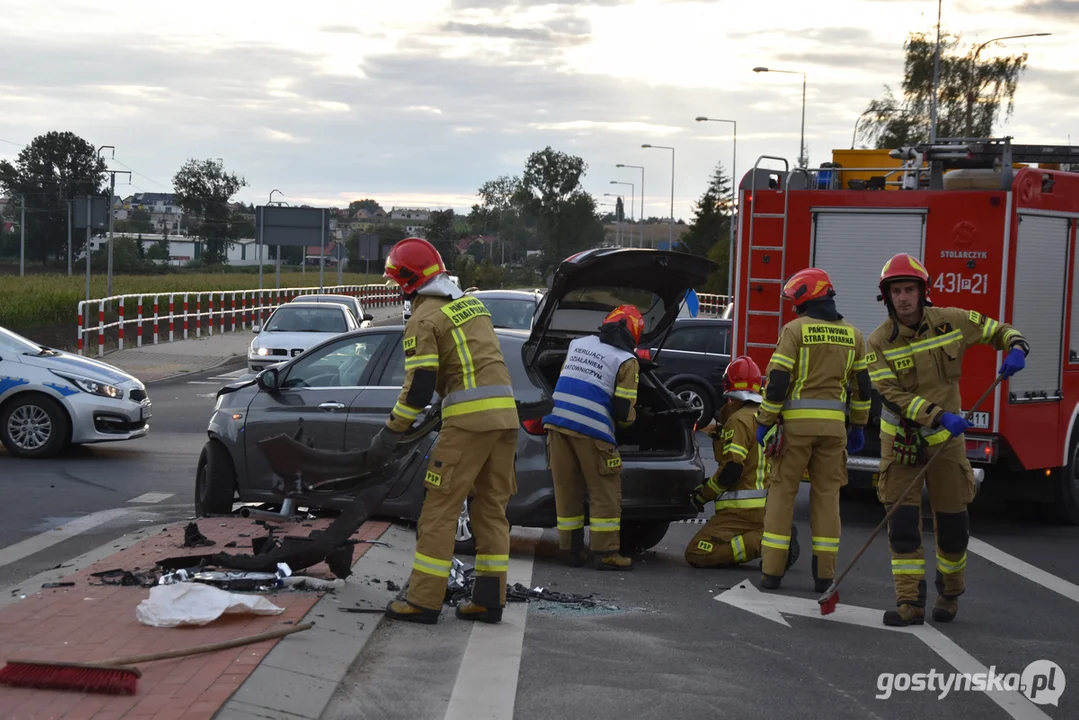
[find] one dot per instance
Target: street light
(803, 161)
(734, 180)
(641, 168)
(632, 205)
(670, 223)
(971, 94)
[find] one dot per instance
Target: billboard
(292, 226)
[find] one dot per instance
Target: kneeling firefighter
(739, 486)
(450, 347)
(596, 389)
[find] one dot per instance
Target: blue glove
(855, 440)
(1014, 361)
(955, 424)
(761, 432)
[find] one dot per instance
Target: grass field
(46, 300)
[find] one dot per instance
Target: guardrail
(173, 316)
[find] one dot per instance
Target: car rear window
(608, 298)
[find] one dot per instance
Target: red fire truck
(997, 236)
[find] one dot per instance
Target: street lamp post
(641, 168)
(670, 222)
(734, 191)
(803, 161)
(632, 205)
(972, 94)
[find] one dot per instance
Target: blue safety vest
(582, 395)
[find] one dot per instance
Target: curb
(299, 676)
(226, 361)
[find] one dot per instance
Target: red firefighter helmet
(903, 267)
(412, 263)
(809, 284)
(742, 379)
(630, 318)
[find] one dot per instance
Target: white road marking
(746, 596)
(151, 498)
(202, 382)
(486, 686)
(1024, 569)
(37, 543)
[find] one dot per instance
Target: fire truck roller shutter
(852, 247)
(1041, 269)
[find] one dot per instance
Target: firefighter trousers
(825, 457)
(463, 464)
(951, 485)
(579, 465)
(729, 538)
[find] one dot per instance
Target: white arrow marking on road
(746, 596)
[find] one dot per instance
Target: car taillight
(644, 353)
(533, 427)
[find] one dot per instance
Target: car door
(315, 394)
(692, 350)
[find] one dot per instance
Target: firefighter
(595, 393)
(450, 347)
(818, 357)
(915, 361)
(739, 486)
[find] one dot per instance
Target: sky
(416, 103)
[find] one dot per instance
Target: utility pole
(112, 194)
(22, 234)
(936, 82)
(69, 204)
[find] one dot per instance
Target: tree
(565, 215)
(203, 188)
(442, 233)
(366, 204)
(52, 169)
(141, 221)
(971, 92)
(712, 215)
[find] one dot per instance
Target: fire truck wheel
(1067, 500)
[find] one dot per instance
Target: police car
(50, 399)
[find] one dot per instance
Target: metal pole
(112, 194)
(258, 240)
(89, 221)
(69, 238)
(22, 234)
(936, 81)
(278, 258)
(802, 143)
(734, 200)
(322, 250)
(670, 225)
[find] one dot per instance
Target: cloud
(500, 31)
(845, 60)
(1063, 9)
(341, 30)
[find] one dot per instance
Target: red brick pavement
(91, 622)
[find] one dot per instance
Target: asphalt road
(659, 644)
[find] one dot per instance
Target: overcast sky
(418, 102)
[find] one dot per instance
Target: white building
(420, 215)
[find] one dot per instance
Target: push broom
(830, 598)
(112, 676)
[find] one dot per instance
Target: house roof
(330, 249)
(153, 198)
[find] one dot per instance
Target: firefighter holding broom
(915, 361)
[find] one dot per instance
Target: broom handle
(917, 478)
(224, 645)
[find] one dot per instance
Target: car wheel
(638, 536)
(697, 398)
(464, 540)
(1067, 504)
(34, 426)
(215, 481)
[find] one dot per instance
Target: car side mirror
(268, 380)
(368, 317)
(255, 329)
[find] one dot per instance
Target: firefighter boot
(820, 584)
(576, 548)
(613, 561)
(945, 608)
(795, 549)
(770, 582)
(906, 614)
(404, 610)
(484, 605)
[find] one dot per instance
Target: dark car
(510, 309)
(343, 390)
(692, 360)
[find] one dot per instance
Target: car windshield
(12, 343)
(512, 314)
(305, 319)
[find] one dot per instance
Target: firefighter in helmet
(818, 359)
(915, 362)
(739, 486)
(596, 392)
(450, 347)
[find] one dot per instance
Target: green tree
(203, 188)
(52, 169)
(442, 233)
(551, 192)
(366, 204)
(141, 221)
(711, 216)
(971, 93)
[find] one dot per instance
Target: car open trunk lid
(588, 285)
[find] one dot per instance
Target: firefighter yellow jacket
(917, 370)
(451, 348)
(736, 442)
(820, 359)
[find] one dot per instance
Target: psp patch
(614, 462)
(433, 478)
(976, 317)
(705, 546)
(904, 363)
(870, 358)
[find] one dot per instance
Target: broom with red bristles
(111, 676)
(830, 598)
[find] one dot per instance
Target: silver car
(50, 399)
